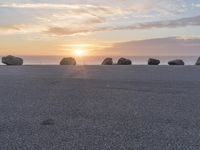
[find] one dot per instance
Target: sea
(97, 60)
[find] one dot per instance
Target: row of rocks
(151, 61)
(12, 60)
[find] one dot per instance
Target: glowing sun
(79, 52)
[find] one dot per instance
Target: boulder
(176, 62)
(198, 61)
(107, 61)
(12, 60)
(68, 61)
(153, 61)
(124, 61)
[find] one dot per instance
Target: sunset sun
(79, 52)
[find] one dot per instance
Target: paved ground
(99, 108)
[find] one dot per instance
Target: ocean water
(97, 60)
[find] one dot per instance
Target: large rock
(124, 61)
(12, 60)
(68, 61)
(176, 62)
(198, 61)
(153, 61)
(107, 61)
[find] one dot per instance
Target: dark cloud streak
(183, 22)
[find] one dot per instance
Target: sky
(100, 27)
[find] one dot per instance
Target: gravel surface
(99, 107)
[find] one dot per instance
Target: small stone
(48, 122)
